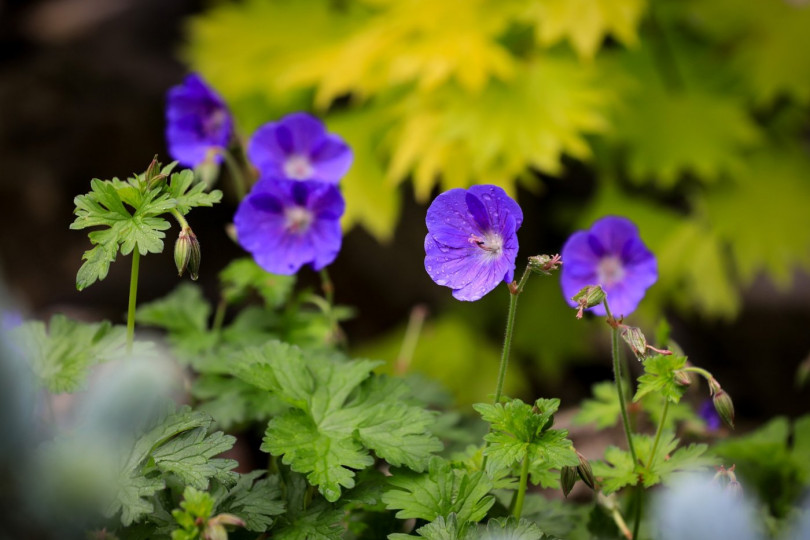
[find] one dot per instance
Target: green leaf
(190, 457)
(187, 194)
(604, 410)
(183, 311)
(707, 128)
(177, 445)
(339, 412)
(243, 275)
(659, 377)
(510, 529)
(319, 522)
(439, 492)
(764, 43)
(62, 355)
(440, 529)
(231, 401)
(618, 470)
(520, 431)
(781, 214)
(256, 500)
(196, 507)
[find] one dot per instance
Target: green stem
(327, 286)
(524, 477)
(180, 219)
(514, 291)
(639, 504)
(658, 434)
(219, 315)
(617, 375)
(410, 340)
(700, 371)
(239, 183)
(133, 293)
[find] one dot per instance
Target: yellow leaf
(370, 200)
(493, 136)
(585, 23)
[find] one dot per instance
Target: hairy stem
(521, 493)
(514, 291)
(133, 293)
(617, 375)
(658, 434)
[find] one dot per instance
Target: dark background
(82, 86)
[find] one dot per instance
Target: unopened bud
(585, 471)
(588, 297)
(187, 253)
(803, 373)
(215, 528)
(544, 264)
(153, 174)
(682, 377)
(568, 477)
(724, 407)
(634, 337)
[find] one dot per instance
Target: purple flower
(299, 148)
(610, 254)
(286, 224)
(197, 120)
(472, 243)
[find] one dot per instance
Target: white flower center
(298, 167)
(610, 270)
(491, 243)
(298, 219)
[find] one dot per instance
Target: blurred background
(689, 117)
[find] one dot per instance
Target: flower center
(214, 122)
(491, 243)
(298, 167)
(298, 219)
(610, 270)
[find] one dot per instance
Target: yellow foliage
(424, 42)
(494, 135)
(585, 23)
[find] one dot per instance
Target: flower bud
(187, 253)
(636, 340)
(568, 477)
(215, 528)
(585, 471)
(589, 296)
(682, 377)
(724, 407)
(544, 264)
(153, 174)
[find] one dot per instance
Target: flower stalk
(515, 288)
(617, 375)
(524, 480)
(133, 294)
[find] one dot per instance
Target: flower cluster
(291, 216)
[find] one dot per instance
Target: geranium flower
(299, 148)
(286, 224)
(472, 243)
(610, 254)
(197, 120)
